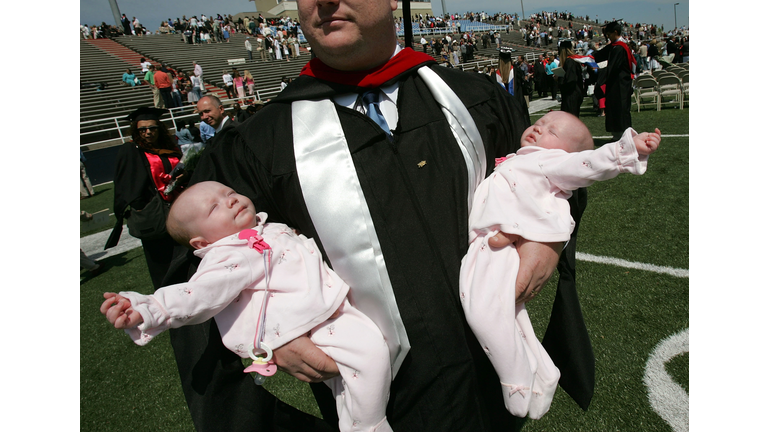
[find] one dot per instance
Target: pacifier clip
(264, 366)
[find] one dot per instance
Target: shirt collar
(223, 122)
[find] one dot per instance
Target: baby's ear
(198, 242)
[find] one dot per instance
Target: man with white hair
(249, 47)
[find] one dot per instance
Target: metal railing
(119, 127)
(451, 30)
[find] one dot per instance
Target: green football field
(633, 285)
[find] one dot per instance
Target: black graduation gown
(134, 188)
(571, 87)
(618, 88)
(446, 382)
(539, 77)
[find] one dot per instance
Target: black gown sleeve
(131, 187)
(572, 79)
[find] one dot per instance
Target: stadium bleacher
(104, 101)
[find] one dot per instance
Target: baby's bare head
(559, 130)
(207, 212)
(179, 216)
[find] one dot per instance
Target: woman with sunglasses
(142, 174)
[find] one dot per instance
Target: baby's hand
(119, 312)
(647, 142)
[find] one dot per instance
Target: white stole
(340, 214)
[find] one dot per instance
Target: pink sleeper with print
(526, 195)
(229, 286)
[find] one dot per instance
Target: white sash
(463, 128)
(340, 214)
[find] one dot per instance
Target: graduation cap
(146, 113)
(505, 54)
(566, 44)
(612, 26)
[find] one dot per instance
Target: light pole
(521, 7)
(675, 6)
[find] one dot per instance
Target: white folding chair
(646, 92)
(684, 86)
(670, 90)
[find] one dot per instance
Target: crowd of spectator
(277, 39)
(205, 29)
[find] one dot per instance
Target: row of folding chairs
(672, 69)
(659, 89)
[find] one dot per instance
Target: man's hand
(119, 312)
(537, 263)
(305, 361)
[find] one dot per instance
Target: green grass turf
(120, 383)
(628, 312)
(103, 198)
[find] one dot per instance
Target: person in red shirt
(163, 84)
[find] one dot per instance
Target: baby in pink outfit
(527, 197)
(243, 257)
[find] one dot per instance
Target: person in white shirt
(228, 84)
(145, 65)
(248, 47)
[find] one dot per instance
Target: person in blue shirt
(129, 78)
(206, 131)
(551, 76)
(183, 134)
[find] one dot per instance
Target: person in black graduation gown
(141, 173)
(572, 84)
(414, 181)
(540, 76)
(510, 76)
(618, 80)
(574, 334)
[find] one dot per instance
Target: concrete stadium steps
(105, 60)
(213, 58)
(132, 58)
(98, 66)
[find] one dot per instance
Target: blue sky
(152, 12)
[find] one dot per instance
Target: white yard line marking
(668, 398)
(634, 265)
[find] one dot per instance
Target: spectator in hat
(248, 47)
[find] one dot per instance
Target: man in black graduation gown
(414, 183)
(618, 80)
